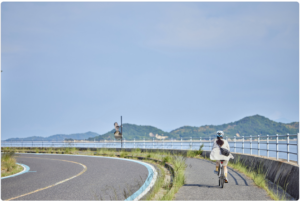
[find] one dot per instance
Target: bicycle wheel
(222, 177)
(219, 175)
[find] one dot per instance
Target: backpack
(224, 151)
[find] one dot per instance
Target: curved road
(67, 177)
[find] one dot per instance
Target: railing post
(268, 146)
(277, 153)
(288, 141)
(297, 148)
(258, 151)
(163, 143)
(191, 143)
(243, 145)
(152, 143)
(31, 143)
(209, 143)
(200, 142)
(234, 144)
(250, 144)
(181, 143)
(144, 144)
(172, 143)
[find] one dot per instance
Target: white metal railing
(273, 144)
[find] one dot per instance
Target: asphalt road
(203, 184)
(83, 178)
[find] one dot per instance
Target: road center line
(84, 169)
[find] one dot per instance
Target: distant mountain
(57, 137)
(253, 125)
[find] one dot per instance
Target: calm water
(173, 145)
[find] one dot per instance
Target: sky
(77, 67)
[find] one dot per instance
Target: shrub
(67, 150)
(199, 152)
(191, 153)
(123, 154)
(8, 162)
(167, 159)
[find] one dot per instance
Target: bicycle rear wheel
(222, 177)
(219, 175)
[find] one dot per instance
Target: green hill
(132, 131)
(253, 125)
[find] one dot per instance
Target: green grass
(8, 164)
(123, 154)
(179, 166)
(70, 150)
(158, 184)
(193, 153)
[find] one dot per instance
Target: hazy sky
(77, 67)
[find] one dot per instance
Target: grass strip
(8, 164)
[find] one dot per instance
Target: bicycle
(221, 174)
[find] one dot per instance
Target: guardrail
(273, 143)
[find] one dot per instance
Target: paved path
(103, 179)
(203, 184)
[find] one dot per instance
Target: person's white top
(215, 153)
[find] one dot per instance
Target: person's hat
(220, 134)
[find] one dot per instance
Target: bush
(199, 152)
(8, 162)
(191, 153)
(123, 154)
(67, 150)
(167, 159)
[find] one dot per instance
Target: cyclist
(215, 153)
